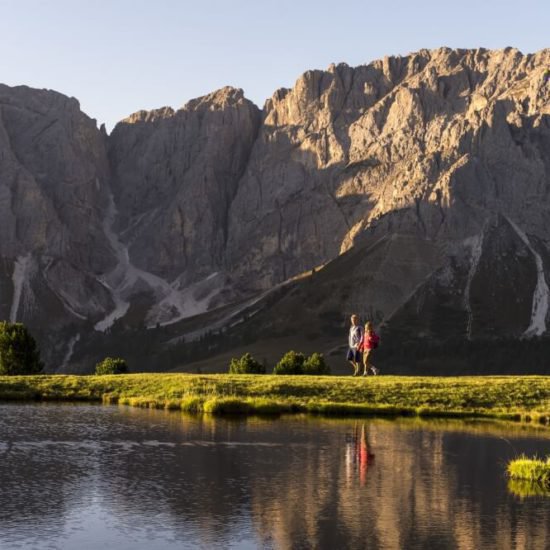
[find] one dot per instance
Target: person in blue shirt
(354, 339)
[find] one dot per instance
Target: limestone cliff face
(441, 136)
(175, 175)
(422, 181)
(53, 177)
(443, 155)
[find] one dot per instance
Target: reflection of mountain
(45, 473)
(425, 489)
(288, 483)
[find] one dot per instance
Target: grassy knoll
(506, 397)
(529, 476)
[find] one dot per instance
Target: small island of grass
(531, 470)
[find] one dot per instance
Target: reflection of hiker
(364, 456)
(368, 343)
(355, 337)
(358, 456)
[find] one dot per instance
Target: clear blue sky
(119, 56)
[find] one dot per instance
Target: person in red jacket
(369, 342)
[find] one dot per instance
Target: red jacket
(369, 341)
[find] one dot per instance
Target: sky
(120, 56)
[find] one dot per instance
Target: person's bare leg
(365, 363)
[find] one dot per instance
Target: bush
(246, 365)
(18, 351)
(315, 364)
(294, 362)
(111, 365)
(291, 363)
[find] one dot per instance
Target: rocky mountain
(413, 190)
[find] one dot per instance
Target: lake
(92, 476)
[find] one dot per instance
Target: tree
(18, 351)
(112, 365)
(246, 365)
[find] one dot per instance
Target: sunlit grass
(525, 398)
(533, 470)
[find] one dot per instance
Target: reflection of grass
(525, 489)
(505, 397)
(531, 470)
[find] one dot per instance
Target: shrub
(246, 365)
(18, 351)
(315, 364)
(111, 365)
(291, 363)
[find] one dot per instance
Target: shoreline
(516, 398)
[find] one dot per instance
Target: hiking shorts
(354, 355)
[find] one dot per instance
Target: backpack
(374, 340)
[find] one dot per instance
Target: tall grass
(533, 470)
(525, 398)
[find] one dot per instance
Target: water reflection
(526, 489)
(82, 476)
(358, 455)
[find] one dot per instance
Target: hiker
(369, 342)
(354, 339)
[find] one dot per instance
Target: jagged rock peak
(221, 98)
(148, 116)
(39, 100)
(315, 89)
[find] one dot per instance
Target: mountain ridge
(177, 212)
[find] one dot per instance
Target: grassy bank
(505, 397)
(529, 476)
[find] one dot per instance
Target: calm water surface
(88, 477)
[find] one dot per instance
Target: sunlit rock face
(443, 155)
(424, 179)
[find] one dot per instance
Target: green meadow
(520, 398)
